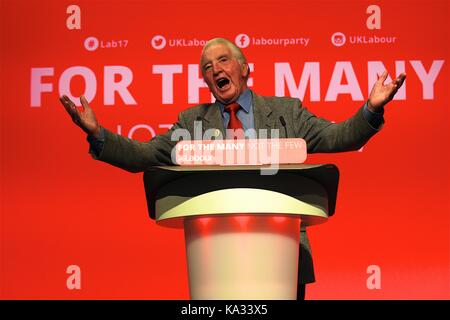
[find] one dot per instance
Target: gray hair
(235, 50)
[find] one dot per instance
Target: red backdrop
(61, 208)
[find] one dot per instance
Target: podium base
(242, 257)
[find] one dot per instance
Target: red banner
(72, 227)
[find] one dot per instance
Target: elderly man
(225, 70)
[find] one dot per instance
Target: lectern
(242, 223)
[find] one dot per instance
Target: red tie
(234, 122)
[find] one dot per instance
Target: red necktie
(234, 122)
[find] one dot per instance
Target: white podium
(242, 229)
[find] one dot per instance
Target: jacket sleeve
(135, 156)
(324, 136)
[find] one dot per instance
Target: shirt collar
(244, 100)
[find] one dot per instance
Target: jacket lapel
(213, 119)
(262, 114)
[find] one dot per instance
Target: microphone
(283, 123)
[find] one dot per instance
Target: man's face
(223, 73)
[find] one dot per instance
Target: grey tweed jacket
(320, 135)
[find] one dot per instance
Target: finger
(71, 104)
(393, 88)
(67, 105)
(71, 108)
(84, 103)
(383, 77)
(396, 83)
(63, 100)
(400, 79)
(67, 100)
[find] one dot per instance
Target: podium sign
(241, 152)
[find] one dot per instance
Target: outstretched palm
(383, 93)
(85, 118)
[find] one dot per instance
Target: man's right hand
(85, 118)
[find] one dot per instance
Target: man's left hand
(383, 93)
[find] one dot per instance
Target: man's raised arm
(125, 153)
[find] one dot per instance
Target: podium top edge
(250, 176)
(242, 167)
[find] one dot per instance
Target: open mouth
(222, 83)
